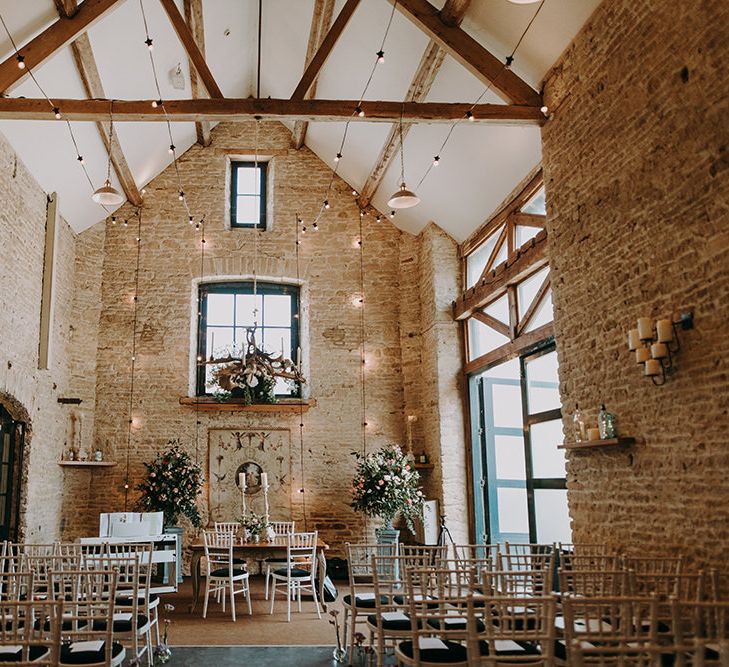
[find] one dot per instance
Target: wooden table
(259, 550)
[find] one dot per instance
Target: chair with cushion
(88, 618)
(23, 641)
(298, 573)
(593, 583)
(360, 601)
(223, 575)
(281, 529)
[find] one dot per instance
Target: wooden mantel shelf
(88, 464)
(424, 466)
(594, 444)
(236, 405)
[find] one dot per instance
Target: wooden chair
(30, 632)
(593, 583)
(89, 619)
(222, 573)
(360, 601)
(281, 529)
(299, 572)
(619, 654)
(707, 621)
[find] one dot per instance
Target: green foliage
(174, 481)
(385, 484)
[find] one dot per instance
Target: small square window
(248, 194)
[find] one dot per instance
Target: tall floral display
(386, 484)
(174, 481)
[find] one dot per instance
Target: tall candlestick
(242, 484)
(264, 480)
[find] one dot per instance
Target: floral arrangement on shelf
(174, 481)
(255, 524)
(252, 375)
(386, 484)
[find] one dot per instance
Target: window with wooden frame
(248, 194)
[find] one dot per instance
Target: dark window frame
(262, 194)
(245, 287)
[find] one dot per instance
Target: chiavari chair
(30, 632)
(281, 530)
(223, 574)
(299, 572)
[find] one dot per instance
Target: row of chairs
(101, 595)
(473, 604)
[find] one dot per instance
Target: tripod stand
(444, 533)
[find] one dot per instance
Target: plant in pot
(385, 485)
(254, 525)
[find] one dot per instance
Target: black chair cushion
(452, 653)
(69, 657)
(67, 624)
(34, 653)
(454, 623)
(224, 572)
(121, 625)
(508, 647)
(397, 625)
(296, 572)
(366, 603)
(275, 560)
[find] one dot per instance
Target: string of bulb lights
(469, 115)
(56, 111)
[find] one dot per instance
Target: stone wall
(170, 261)
(28, 393)
(637, 177)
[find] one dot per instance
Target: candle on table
(659, 350)
(633, 339)
(664, 330)
(642, 354)
(645, 328)
(652, 367)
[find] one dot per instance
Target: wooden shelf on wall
(236, 405)
(87, 464)
(424, 466)
(595, 444)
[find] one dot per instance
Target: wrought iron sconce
(655, 348)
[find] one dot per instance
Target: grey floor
(255, 656)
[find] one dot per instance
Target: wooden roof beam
(191, 47)
(66, 8)
(420, 86)
(321, 21)
(467, 51)
(83, 55)
(237, 110)
(322, 53)
(53, 39)
(194, 18)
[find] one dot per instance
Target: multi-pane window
(248, 194)
(228, 313)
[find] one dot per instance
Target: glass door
(11, 463)
(519, 474)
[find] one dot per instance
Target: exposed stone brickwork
(637, 178)
(26, 392)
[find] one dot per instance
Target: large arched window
(227, 313)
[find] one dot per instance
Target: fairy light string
(135, 313)
(301, 397)
(468, 116)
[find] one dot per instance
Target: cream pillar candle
(652, 367)
(264, 480)
(593, 433)
(642, 354)
(242, 484)
(659, 351)
(664, 329)
(645, 328)
(633, 339)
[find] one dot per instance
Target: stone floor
(260, 656)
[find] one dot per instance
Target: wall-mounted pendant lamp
(107, 194)
(403, 198)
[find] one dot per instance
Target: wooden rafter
(195, 20)
(89, 72)
(466, 50)
(67, 8)
(492, 322)
(538, 298)
(53, 39)
(229, 109)
(325, 48)
(510, 350)
(531, 257)
(420, 86)
(529, 219)
(321, 20)
(493, 254)
(193, 52)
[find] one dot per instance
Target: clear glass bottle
(606, 424)
(578, 425)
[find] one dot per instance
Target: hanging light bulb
(80, 159)
(191, 220)
(181, 196)
(354, 193)
(359, 111)
(326, 204)
(21, 61)
(57, 113)
(337, 157)
(107, 195)
(171, 149)
(315, 227)
(149, 43)
(392, 214)
(469, 115)
(436, 160)
(380, 56)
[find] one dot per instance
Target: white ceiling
(478, 168)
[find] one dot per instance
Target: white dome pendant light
(403, 198)
(107, 194)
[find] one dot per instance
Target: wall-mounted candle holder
(655, 347)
